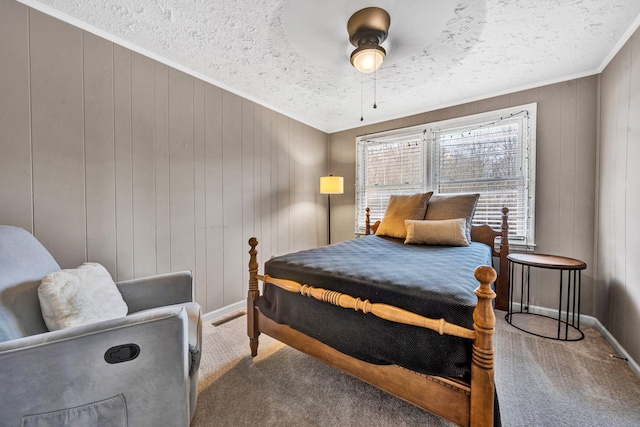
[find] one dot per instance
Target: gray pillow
(452, 207)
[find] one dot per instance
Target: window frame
(428, 130)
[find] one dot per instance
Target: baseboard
(224, 310)
(594, 322)
(617, 347)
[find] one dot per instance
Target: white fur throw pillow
(79, 296)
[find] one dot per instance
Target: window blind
(490, 159)
(386, 168)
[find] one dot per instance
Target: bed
(349, 305)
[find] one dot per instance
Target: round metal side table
(570, 275)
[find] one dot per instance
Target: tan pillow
(452, 207)
(446, 232)
(399, 209)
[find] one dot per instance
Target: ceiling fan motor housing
(368, 26)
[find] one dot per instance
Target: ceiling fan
(368, 29)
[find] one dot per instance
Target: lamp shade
(331, 184)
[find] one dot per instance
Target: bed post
(484, 320)
(367, 223)
(253, 294)
(502, 287)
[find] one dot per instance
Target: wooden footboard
(464, 404)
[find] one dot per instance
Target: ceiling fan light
(367, 58)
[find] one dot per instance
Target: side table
(569, 268)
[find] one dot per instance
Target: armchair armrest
(93, 328)
(194, 332)
(157, 291)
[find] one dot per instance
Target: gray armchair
(139, 370)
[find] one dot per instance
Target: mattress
(433, 281)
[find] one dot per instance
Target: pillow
(399, 209)
(452, 207)
(79, 296)
(447, 232)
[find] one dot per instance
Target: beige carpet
(540, 382)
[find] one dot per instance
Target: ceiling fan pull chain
(361, 98)
(375, 85)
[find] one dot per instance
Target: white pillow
(79, 296)
(448, 232)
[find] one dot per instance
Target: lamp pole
(328, 219)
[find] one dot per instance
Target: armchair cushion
(23, 264)
(77, 296)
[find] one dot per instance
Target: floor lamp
(330, 185)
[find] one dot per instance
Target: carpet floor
(540, 382)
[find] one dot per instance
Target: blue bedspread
(433, 281)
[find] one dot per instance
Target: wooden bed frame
(466, 404)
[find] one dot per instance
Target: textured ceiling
(293, 55)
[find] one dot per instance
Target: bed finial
(484, 320)
(505, 226)
(367, 223)
(485, 274)
(502, 286)
(253, 294)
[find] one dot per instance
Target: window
(390, 167)
(491, 153)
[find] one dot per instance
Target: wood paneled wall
(618, 214)
(109, 156)
(566, 174)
